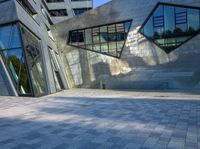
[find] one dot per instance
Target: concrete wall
(142, 66)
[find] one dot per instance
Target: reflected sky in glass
(100, 2)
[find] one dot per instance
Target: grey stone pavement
(101, 119)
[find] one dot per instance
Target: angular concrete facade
(142, 65)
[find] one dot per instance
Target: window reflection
(5, 36)
(14, 58)
(55, 68)
(23, 62)
(170, 26)
(105, 39)
(32, 50)
(16, 64)
(193, 24)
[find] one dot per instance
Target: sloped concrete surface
(101, 119)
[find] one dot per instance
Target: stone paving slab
(101, 119)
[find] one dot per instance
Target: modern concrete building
(161, 51)
(61, 10)
(123, 44)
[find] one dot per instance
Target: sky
(100, 2)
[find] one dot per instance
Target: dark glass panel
(79, 11)
(81, 38)
(73, 38)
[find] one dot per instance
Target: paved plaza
(101, 119)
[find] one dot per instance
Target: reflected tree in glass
(170, 26)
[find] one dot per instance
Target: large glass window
(34, 61)
(55, 68)
(14, 58)
(22, 57)
(16, 63)
(170, 26)
(105, 39)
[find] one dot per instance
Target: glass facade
(169, 26)
(22, 59)
(55, 68)
(34, 61)
(105, 39)
(14, 58)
